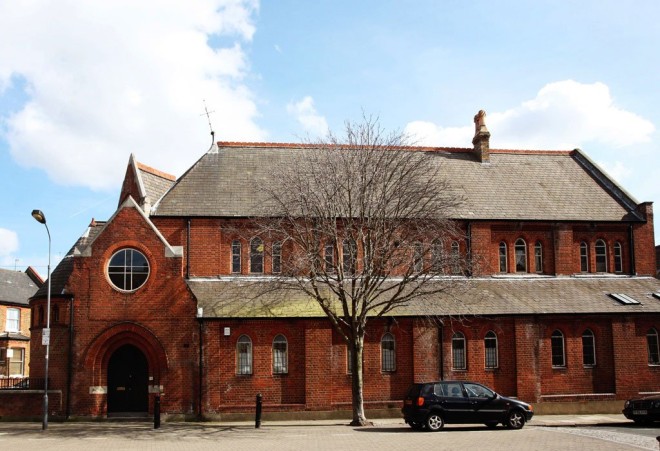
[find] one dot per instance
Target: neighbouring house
(159, 299)
(16, 288)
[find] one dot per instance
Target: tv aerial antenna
(208, 113)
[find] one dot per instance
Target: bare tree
(365, 224)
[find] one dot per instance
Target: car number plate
(640, 412)
(408, 402)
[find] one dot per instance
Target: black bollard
(257, 418)
(157, 412)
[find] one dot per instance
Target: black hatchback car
(430, 405)
(643, 410)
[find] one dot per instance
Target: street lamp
(45, 334)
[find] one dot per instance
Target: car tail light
(420, 401)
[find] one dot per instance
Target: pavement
(544, 432)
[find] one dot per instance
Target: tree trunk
(359, 418)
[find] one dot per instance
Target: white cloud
(105, 79)
(563, 115)
(8, 245)
(306, 115)
(617, 170)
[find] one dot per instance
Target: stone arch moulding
(101, 348)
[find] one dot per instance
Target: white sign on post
(45, 337)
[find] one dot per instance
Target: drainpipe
(188, 250)
(442, 357)
(70, 366)
(201, 367)
(469, 246)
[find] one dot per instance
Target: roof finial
(207, 113)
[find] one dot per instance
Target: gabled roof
(60, 275)
(16, 287)
(231, 298)
(232, 180)
(154, 182)
(144, 183)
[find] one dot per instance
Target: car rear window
(413, 391)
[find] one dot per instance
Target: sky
(85, 84)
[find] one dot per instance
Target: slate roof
(16, 287)
(516, 185)
(156, 183)
(60, 275)
(232, 298)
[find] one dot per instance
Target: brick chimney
(481, 137)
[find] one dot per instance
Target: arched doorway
(128, 379)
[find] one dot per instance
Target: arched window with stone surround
(458, 351)
(503, 257)
(520, 248)
(601, 256)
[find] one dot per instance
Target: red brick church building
(564, 311)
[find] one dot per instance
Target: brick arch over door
(107, 342)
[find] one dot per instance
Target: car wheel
(416, 426)
(491, 424)
(434, 422)
(515, 420)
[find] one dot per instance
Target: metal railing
(22, 383)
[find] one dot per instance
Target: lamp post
(45, 334)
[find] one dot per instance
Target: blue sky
(84, 84)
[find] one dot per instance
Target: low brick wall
(20, 405)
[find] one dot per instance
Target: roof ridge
(154, 171)
(282, 145)
(285, 145)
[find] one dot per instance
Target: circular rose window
(128, 269)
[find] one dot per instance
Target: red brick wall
(162, 315)
(575, 377)
(645, 264)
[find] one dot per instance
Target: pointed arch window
(455, 257)
(329, 257)
(277, 257)
(520, 248)
(652, 346)
(601, 256)
(558, 352)
(618, 258)
(458, 354)
(256, 255)
(236, 256)
(244, 355)
(56, 313)
(349, 254)
(538, 257)
(490, 348)
(418, 256)
(280, 355)
(388, 353)
(584, 257)
(436, 256)
(503, 257)
(588, 348)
